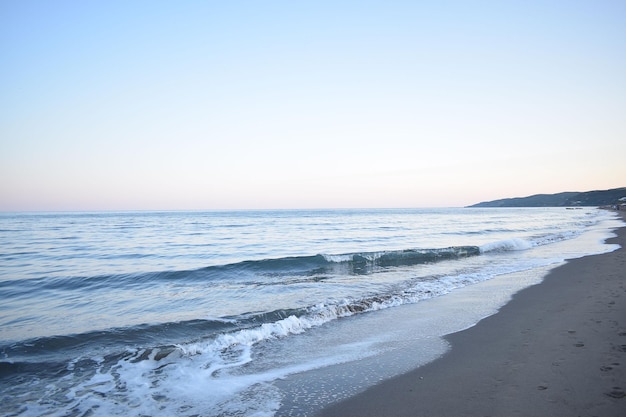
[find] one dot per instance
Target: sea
(254, 313)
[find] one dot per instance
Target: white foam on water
(506, 245)
(338, 258)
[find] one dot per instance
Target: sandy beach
(557, 349)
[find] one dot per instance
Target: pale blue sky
(293, 104)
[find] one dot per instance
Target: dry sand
(557, 349)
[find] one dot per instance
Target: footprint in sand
(617, 392)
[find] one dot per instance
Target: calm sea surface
(253, 313)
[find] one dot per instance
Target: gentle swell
(304, 266)
(145, 334)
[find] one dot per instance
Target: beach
(556, 349)
(287, 312)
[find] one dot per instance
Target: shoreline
(557, 348)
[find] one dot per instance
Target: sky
(175, 105)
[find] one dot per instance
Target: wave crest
(507, 245)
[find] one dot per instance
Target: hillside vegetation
(565, 199)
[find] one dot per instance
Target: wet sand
(557, 349)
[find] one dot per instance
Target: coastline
(557, 348)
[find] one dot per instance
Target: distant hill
(566, 199)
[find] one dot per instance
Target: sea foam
(506, 245)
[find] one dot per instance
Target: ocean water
(253, 313)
